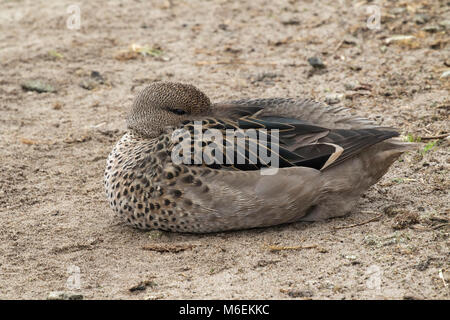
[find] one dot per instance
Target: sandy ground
(54, 219)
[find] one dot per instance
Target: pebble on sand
(38, 86)
(399, 38)
(432, 28)
(316, 62)
(334, 98)
(93, 82)
(445, 74)
(62, 295)
(421, 18)
(445, 24)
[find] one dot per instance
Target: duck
(258, 163)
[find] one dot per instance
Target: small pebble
(431, 29)
(348, 39)
(93, 82)
(334, 98)
(89, 84)
(411, 297)
(445, 74)
(62, 295)
(57, 105)
(300, 293)
(350, 85)
(38, 86)
(291, 22)
(421, 18)
(266, 76)
(398, 10)
(355, 67)
(154, 297)
(445, 24)
(97, 77)
(399, 39)
(316, 62)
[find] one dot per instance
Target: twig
(440, 225)
(440, 136)
(32, 142)
(338, 46)
(234, 61)
(368, 212)
(143, 285)
(168, 247)
(441, 275)
(358, 224)
(280, 248)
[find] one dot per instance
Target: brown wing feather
(306, 110)
(300, 143)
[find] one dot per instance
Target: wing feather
(310, 134)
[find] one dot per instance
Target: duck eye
(178, 111)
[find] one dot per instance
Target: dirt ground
(55, 221)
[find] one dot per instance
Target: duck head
(164, 104)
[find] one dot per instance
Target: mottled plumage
(328, 158)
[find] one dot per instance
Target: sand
(57, 231)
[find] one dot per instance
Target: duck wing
(307, 110)
(252, 142)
